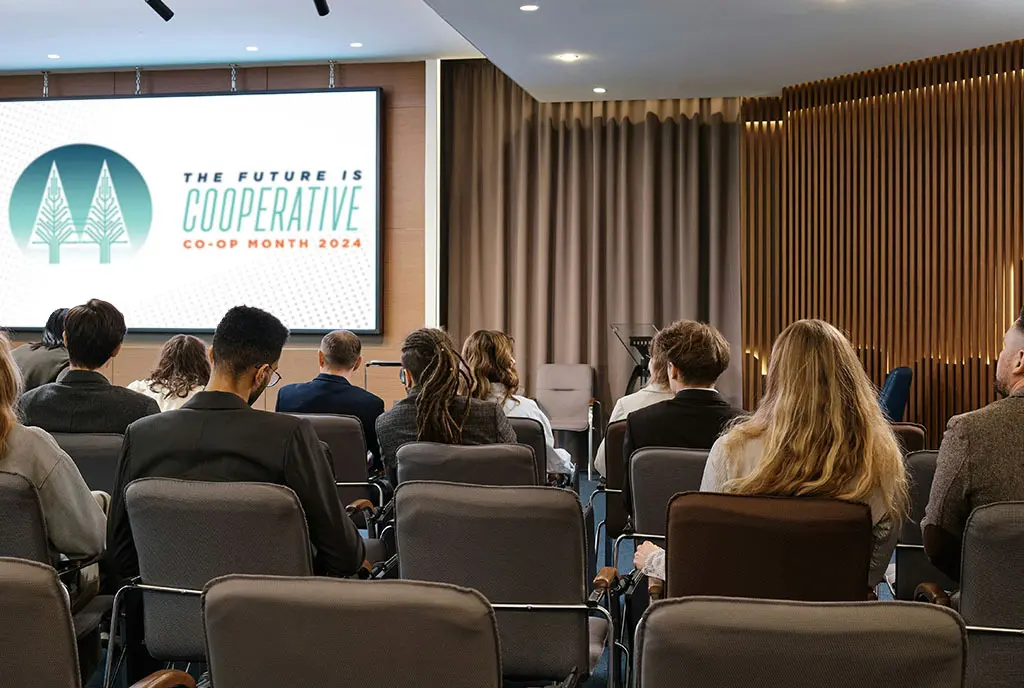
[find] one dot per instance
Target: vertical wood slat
(892, 204)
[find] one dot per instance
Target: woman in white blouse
(182, 370)
(818, 432)
(490, 357)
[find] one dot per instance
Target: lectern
(636, 340)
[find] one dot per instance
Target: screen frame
(379, 229)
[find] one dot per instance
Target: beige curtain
(563, 218)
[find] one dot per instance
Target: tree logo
(80, 203)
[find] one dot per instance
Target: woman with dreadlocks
(434, 410)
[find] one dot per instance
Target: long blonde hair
(489, 355)
(822, 429)
(10, 388)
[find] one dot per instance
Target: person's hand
(643, 553)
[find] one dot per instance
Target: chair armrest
(932, 593)
(656, 588)
(360, 505)
(167, 678)
(606, 578)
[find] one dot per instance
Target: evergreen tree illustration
(105, 225)
(53, 226)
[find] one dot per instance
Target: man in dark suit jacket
(82, 399)
(697, 356)
(332, 390)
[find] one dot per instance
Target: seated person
(41, 362)
(490, 357)
(217, 436)
(434, 411)
(696, 355)
(818, 432)
(332, 390)
(656, 391)
(74, 521)
(82, 400)
(182, 370)
(981, 460)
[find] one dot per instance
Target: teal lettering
(280, 201)
(352, 207)
(245, 209)
(189, 222)
(260, 209)
(209, 209)
(295, 220)
(227, 212)
(338, 206)
(313, 191)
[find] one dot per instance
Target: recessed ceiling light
(567, 57)
(53, 56)
(600, 89)
(355, 45)
(252, 48)
(529, 8)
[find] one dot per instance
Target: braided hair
(439, 371)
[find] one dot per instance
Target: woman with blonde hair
(490, 357)
(818, 432)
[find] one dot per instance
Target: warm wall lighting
(567, 57)
(529, 8)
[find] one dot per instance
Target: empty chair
(767, 547)
(37, 634)
(911, 436)
(912, 564)
(344, 437)
(269, 632)
(565, 392)
(190, 532)
(523, 548)
(724, 642)
(991, 569)
(530, 432)
(895, 393)
(95, 455)
(485, 464)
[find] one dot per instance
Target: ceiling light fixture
(252, 48)
(567, 57)
(355, 45)
(165, 12)
(321, 7)
(529, 8)
(53, 56)
(600, 89)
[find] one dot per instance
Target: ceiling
(125, 33)
(648, 49)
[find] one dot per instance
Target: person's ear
(320, 358)
(359, 362)
(1018, 363)
(672, 372)
(209, 354)
(65, 338)
(116, 351)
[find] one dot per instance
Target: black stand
(636, 339)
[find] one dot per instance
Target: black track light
(160, 8)
(321, 7)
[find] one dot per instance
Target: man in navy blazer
(332, 391)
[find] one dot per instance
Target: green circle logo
(80, 203)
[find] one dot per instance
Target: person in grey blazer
(82, 399)
(435, 410)
(981, 460)
(41, 362)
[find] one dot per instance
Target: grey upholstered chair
(95, 455)
(485, 464)
(523, 548)
(344, 436)
(566, 393)
(269, 632)
(991, 569)
(912, 564)
(37, 635)
(720, 642)
(531, 433)
(189, 532)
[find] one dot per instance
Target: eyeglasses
(275, 377)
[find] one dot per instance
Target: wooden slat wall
(890, 204)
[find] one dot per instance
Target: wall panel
(890, 204)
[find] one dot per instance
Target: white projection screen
(176, 208)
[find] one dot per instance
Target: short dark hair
(94, 331)
(53, 333)
(247, 337)
(341, 349)
(698, 351)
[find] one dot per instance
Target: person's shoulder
(40, 391)
(992, 418)
(655, 410)
(366, 396)
(138, 386)
(31, 438)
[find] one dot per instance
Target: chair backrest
(268, 632)
(189, 532)
(817, 550)
(344, 436)
(912, 437)
(483, 464)
(615, 477)
(95, 455)
(724, 642)
(36, 631)
(912, 564)
(895, 393)
(513, 544)
(531, 433)
(564, 392)
(992, 566)
(656, 474)
(23, 533)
